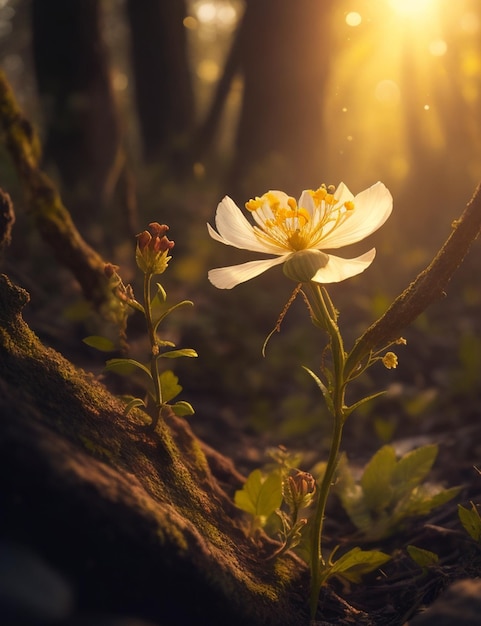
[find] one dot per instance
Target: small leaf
(423, 558)
(356, 563)
(100, 343)
(376, 479)
(169, 311)
(135, 402)
(125, 367)
(169, 385)
(471, 521)
(181, 408)
(413, 468)
(422, 500)
(348, 410)
(161, 294)
(175, 354)
(323, 388)
(260, 496)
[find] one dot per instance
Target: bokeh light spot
(411, 8)
(353, 19)
(387, 92)
(206, 12)
(469, 23)
(208, 70)
(190, 22)
(438, 47)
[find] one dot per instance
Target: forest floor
(433, 398)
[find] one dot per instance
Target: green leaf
(169, 385)
(351, 495)
(423, 558)
(323, 388)
(471, 521)
(100, 343)
(427, 500)
(356, 563)
(376, 480)
(413, 468)
(135, 402)
(182, 408)
(348, 410)
(126, 367)
(161, 294)
(175, 354)
(260, 496)
(169, 311)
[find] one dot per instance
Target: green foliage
(423, 558)
(260, 496)
(161, 387)
(471, 521)
(354, 564)
(390, 490)
(126, 367)
(275, 498)
(100, 343)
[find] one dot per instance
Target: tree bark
(141, 523)
(163, 87)
(46, 208)
(285, 58)
(83, 136)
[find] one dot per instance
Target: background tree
(83, 136)
(163, 87)
(285, 60)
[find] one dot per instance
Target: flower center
(281, 221)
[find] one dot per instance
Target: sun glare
(411, 8)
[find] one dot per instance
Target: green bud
(303, 265)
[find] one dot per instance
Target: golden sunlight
(411, 8)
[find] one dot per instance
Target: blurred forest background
(156, 109)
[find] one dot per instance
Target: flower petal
(372, 207)
(342, 194)
(338, 269)
(235, 230)
(228, 277)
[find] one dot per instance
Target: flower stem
(324, 314)
(154, 370)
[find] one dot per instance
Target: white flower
(319, 221)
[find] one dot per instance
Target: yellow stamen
(282, 222)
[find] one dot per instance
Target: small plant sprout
(298, 234)
(276, 499)
(152, 257)
(390, 491)
(471, 521)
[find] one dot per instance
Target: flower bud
(389, 360)
(152, 249)
(303, 265)
(299, 489)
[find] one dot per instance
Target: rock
(31, 592)
(459, 605)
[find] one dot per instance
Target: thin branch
(45, 206)
(428, 287)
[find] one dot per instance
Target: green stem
(317, 560)
(324, 314)
(154, 370)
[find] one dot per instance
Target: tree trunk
(45, 206)
(83, 137)
(140, 523)
(163, 85)
(285, 59)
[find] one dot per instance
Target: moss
(98, 450)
